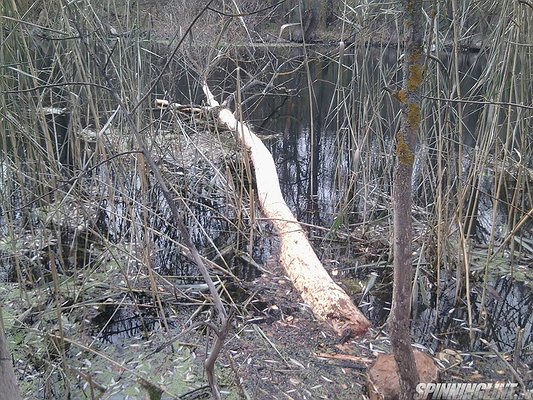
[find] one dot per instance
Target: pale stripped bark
(326, 299)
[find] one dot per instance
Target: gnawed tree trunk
(8, 381)
(326, 299)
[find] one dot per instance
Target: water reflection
(316, 156)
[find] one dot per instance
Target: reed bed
(86, 237)
(472, 178)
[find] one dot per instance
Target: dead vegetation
(100, 296)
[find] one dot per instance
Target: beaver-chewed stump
(382, 377)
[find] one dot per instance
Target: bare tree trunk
(399, 321)
(8, 381)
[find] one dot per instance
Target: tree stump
(382, 377)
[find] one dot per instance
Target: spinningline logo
(466, 391)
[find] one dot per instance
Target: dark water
(334, 159)
(314, 156)
(314, 148)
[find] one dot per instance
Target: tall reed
(79, 203)
(472, 176)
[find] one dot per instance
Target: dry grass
(85, 231)
(473, 171)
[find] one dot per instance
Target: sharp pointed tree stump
(382, 377)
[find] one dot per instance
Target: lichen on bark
(400, 95)
(413, 115)
(403, 151)
(415, 75)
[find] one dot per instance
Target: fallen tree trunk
(326, 299)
